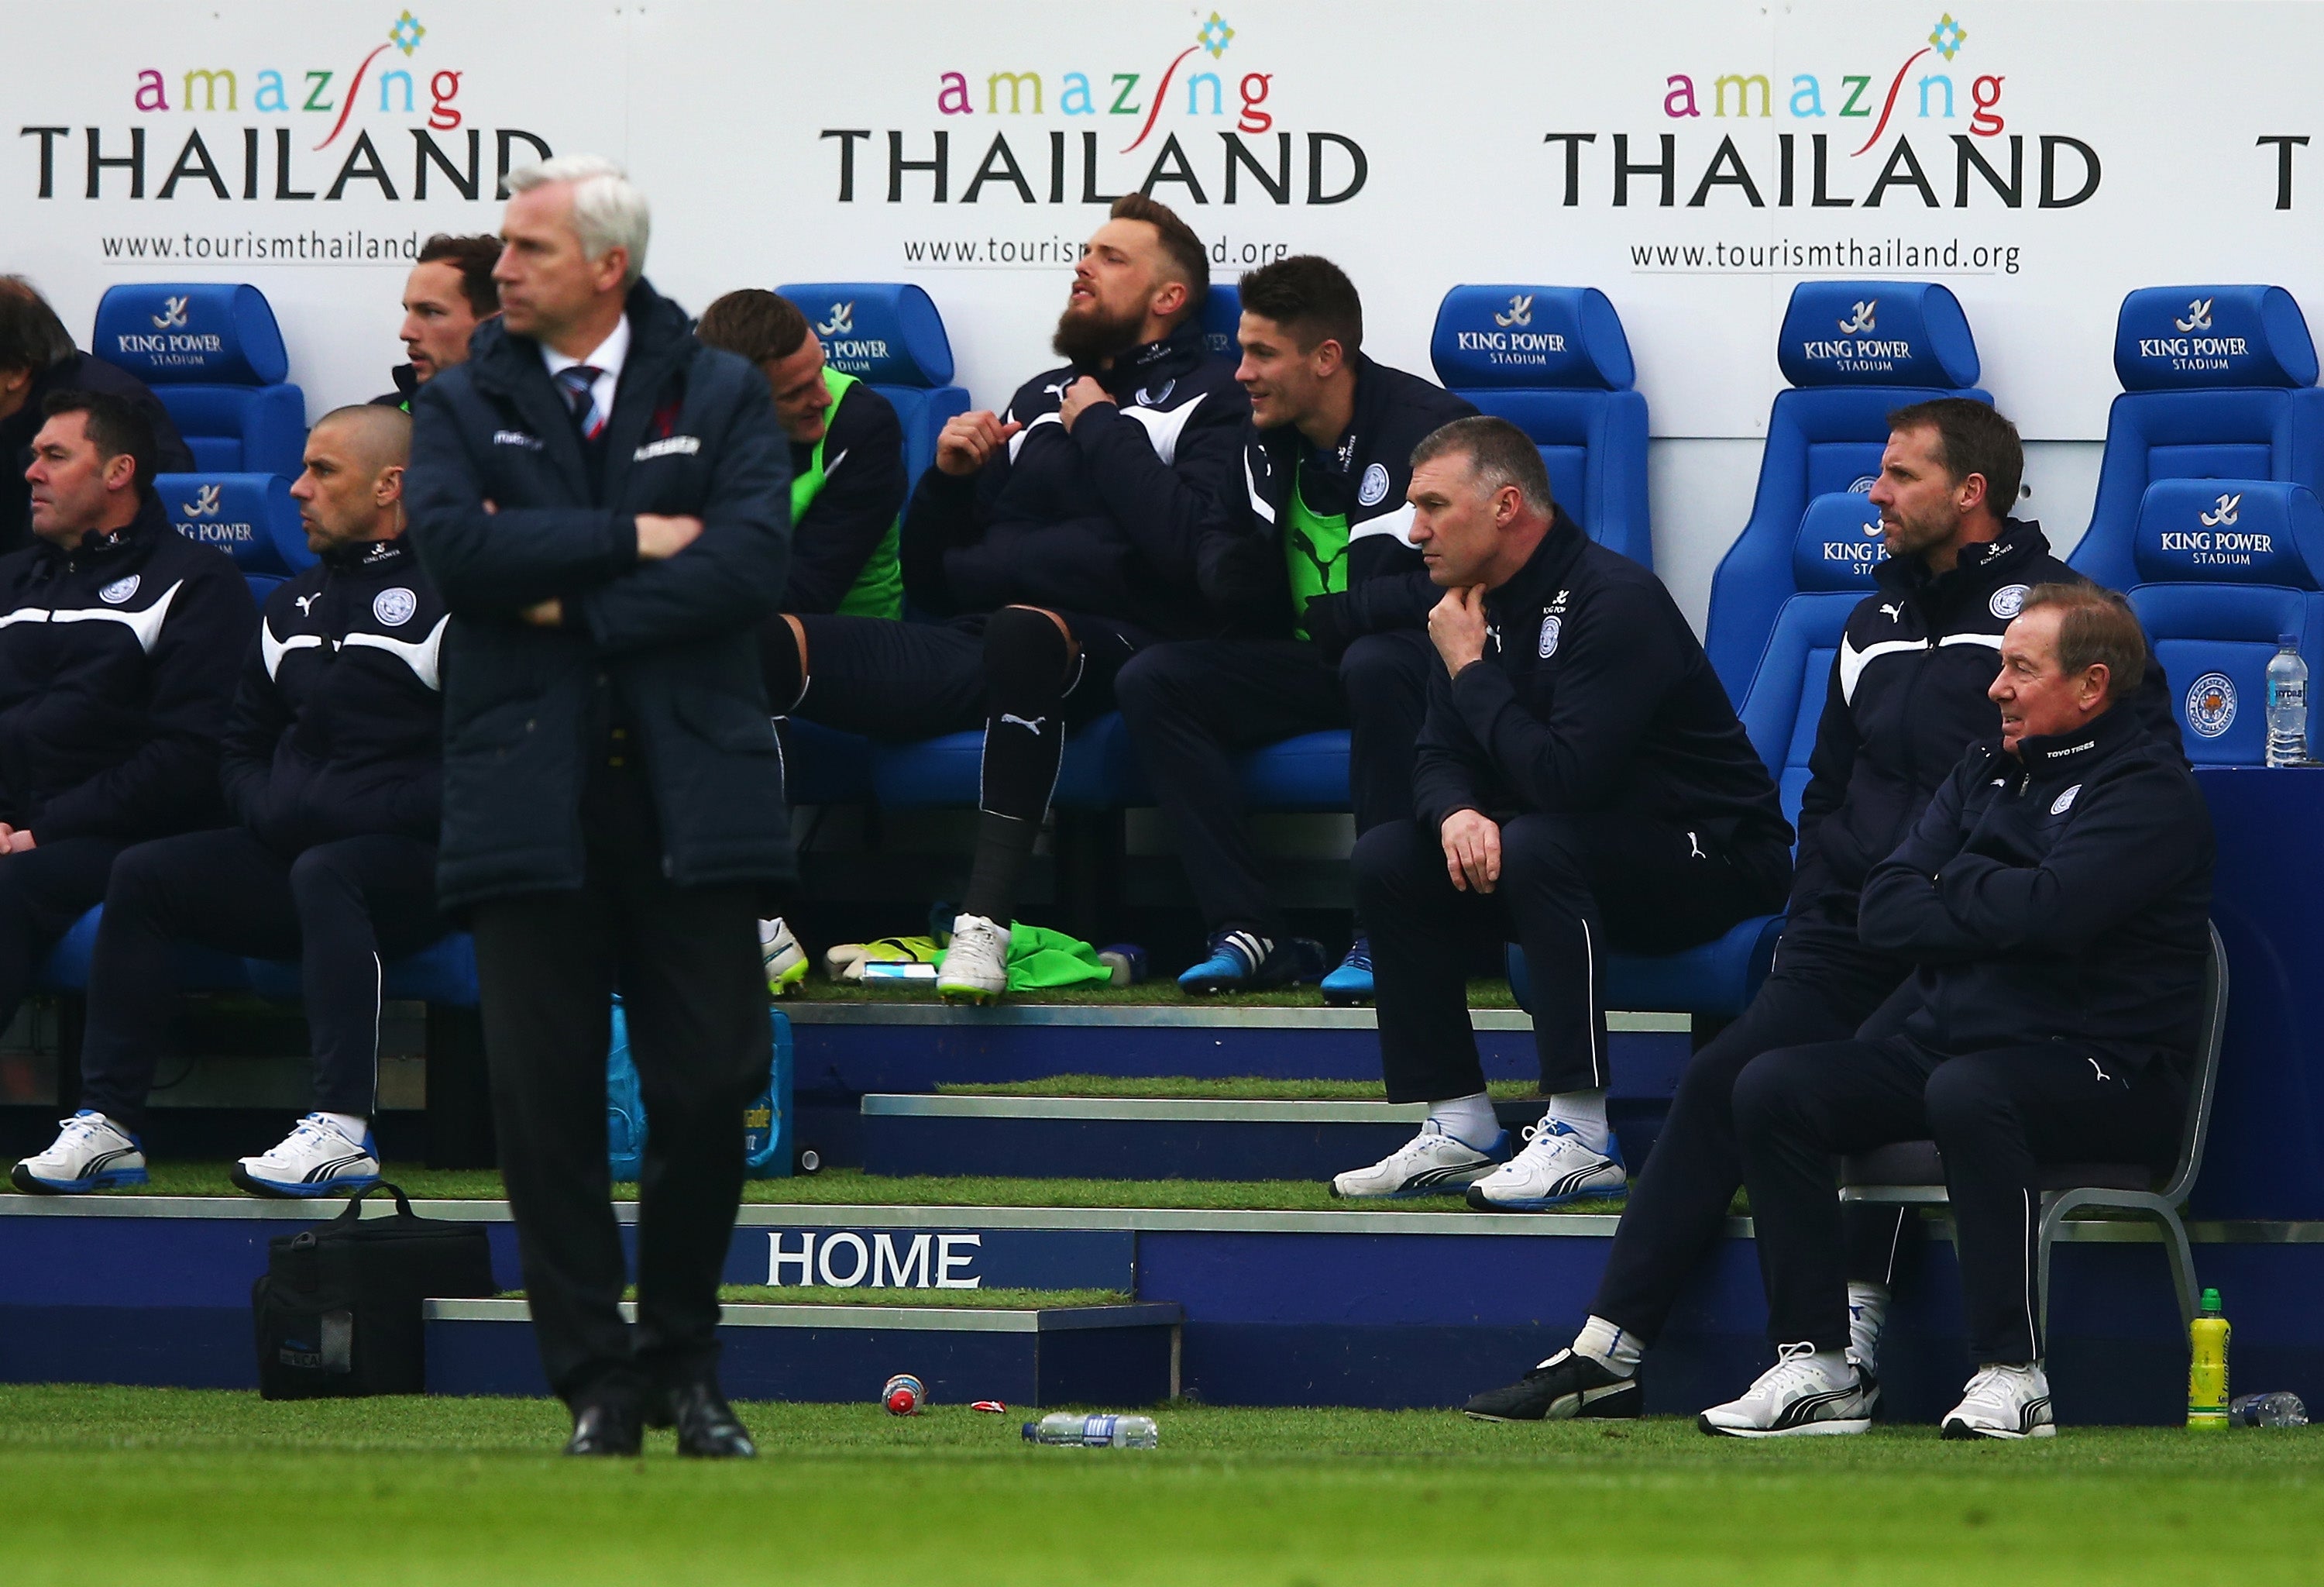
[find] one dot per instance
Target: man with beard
(1907, 694)
(1056, 539)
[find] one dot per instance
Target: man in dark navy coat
(602, 501)
(333, 773)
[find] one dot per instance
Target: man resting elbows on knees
(334, 769)
(2055, 899)
(1584, 788)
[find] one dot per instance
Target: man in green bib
(1330, 610)
(848, 459)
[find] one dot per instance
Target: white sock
(1468, 1119)
(350, 1125)
(1867, 1314)
(1584, 1113)
(1838, 1370)
(1617, 1350)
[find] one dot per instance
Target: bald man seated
(332, 771)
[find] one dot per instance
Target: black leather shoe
(708, 1427)
(606, 1427)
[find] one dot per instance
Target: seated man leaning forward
(333, 768)
(1584, 788)
(2054, 897)
(1056, 539)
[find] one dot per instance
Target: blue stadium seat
(214, 356)
(2225, 566)
(889, 336)
(1831, 573)
(1222, 315)
(1854, 352)
(1554, 362)
(443, 973)
(2217, 383)
(250, 517)
(1100, 770)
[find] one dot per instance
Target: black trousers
(1193, 706)
(1572, 888)
(43, 892)
(338, 908)
(1009, 672)
(1824, 984)
(685, 961)
(1994, 1115)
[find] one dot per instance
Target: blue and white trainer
(1244, 961)
(1351, 983)
(314, 1160)
(91, 1152)
(1553, 1169)
(1432, 1163)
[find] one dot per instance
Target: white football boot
(2004, 1402)
(91, 1152)
(780, 952)
(1555, 1168)
(975, 967)
(1802, 1393)
(1432, 1163)
(314, 1160)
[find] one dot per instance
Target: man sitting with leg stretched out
(1058, 538)
(1583, 787)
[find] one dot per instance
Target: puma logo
(1895, 610)
(1694, 849)
(305, 602)
(1033, 725)
(2093, 1062)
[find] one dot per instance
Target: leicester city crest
(2211, 704)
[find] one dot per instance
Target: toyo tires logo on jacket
(1193, 125)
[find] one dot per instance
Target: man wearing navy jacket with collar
(1327, 457)
(603, 502)
(1583, 788)
(2054, 897)
(333, 771)
(1057, 539)
(119, 641)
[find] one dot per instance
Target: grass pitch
(164, 1486)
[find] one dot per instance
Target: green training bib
(1315, 553)
(879, 590)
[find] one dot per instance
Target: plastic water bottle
(1104, 1431)
(2287, 704)
(2207, 1365)
(2279, 1409)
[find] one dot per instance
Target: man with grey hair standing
(1583, 786)
(602, 503)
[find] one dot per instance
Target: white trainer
(975, 967)
(91, 1152)
(314, 1160)
(1432, 1163)
(780, 952)
(1554, 1168)
(1802, 1393)
(2004, 1402)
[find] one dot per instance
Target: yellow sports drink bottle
(2207, 1366)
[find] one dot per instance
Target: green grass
(163, 1486)
(853, 1187)
(1224, 1088)
(996, 1300)
(1161, 988)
